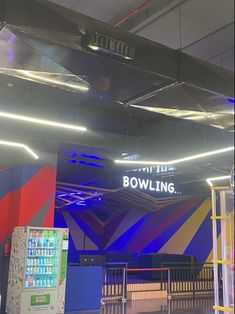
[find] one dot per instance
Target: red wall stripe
(9, 211)
(19, 207)
(36, 193)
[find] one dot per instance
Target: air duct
(40, 36)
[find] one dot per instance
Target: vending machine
(37, 274)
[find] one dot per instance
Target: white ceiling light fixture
(140, 162)
(49, 123)
(202, 155)
(211, 180)
(176, 161)
(20, 145)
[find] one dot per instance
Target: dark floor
(175, 306)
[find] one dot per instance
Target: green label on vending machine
(64, 256)
(37, 300)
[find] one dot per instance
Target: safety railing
(120, 282)
(114, 283)
(175, 305)
(193, 279)
(150, 276)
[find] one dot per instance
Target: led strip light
(20, 145)
(42, 121)
(210, 180)
(176, 161)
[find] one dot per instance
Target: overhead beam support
(145, 12)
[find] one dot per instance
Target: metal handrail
(174, 280)
(114, 282)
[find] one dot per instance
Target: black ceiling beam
(131, 19)
(2, 12)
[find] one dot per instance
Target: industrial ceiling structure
(166, 92)
(201, 28)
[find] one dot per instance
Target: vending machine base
(40, 302)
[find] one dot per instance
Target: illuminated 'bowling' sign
(148, 185)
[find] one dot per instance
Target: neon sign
(148, 185)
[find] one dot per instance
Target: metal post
(215, 251)
(124, 285)
(103, 288)
(123, 308)
(169, 306)
(224, 244)
(169, 284)
(194, 281)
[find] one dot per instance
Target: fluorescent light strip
(210, 180)
(139, 162)
(42, 122)
(198, 156)
(20, 145)
(176, 161)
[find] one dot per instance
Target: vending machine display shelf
(41, 248)
(34, 256)
(43, 265)
(41, 274)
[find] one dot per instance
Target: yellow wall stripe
(180, 241)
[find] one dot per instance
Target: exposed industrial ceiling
(201, 28)
(55, 67)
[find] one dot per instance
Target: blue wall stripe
(158, 217)
(202, 243)
(121, 243)
(160, 241)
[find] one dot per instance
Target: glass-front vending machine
(37, 274)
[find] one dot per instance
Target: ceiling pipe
(132, 13)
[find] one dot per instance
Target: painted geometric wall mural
(26, 197)
(168, 225)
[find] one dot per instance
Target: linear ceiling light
(139, 162)
(20, 145)
(210, 180)
(202, 155)
(176, 161)
(42, 121)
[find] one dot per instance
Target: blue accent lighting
(231, 100)
(89, 164)
(72, 161)
(84, 155)
(81, 203)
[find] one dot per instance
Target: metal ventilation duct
(49, 44)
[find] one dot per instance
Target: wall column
(27, 197)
